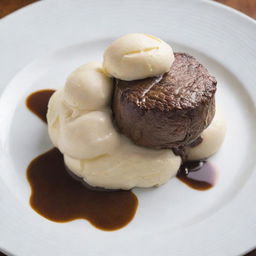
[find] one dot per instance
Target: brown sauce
(58, 197)
(37, 102)
(200, 175)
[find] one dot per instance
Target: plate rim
(32, 6)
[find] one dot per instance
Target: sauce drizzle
(59, 197)
(37, 102)
(200, 175)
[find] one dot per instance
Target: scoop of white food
(58, 114)
(79, 121)
(137, 56)
(88, 136)
(129, 166)
(213, 137)
(88, 88)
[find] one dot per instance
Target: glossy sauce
(200, 175)
(37, 102)
(59, 197)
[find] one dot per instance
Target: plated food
(136, 120)
(49, 50)
(130, 122)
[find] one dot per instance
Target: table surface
(246, 6)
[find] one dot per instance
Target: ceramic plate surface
(41, 44)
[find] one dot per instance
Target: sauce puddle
(200, 175)
(37, 103)
(58, 197)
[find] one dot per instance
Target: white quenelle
(59, 113)
(130, 166)
(74, 127)
(137, 56)
(88, 88)
(88, 136)
(213, 137)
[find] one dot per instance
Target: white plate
(172, 219)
